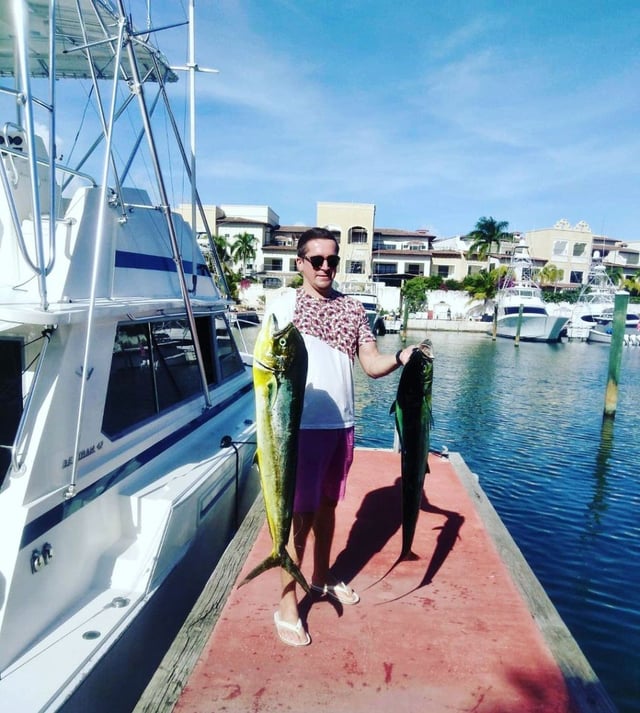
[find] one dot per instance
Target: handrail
(15, 218)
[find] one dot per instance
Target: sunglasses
(317, 261)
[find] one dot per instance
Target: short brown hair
(315, 234)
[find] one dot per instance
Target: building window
(579, 249)
(560, 248)
(632, 259)
(293, 265)
(357, 235)
(355, 267)
(385, 268)
(414, 268)
(273, 264)
(443, 271)
(575, 277)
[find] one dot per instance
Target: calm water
(528, 421)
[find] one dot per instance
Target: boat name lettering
(83, 453)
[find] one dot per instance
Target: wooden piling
(615, 353)
(494, 331)
(518, 326)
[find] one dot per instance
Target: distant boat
(520, 304)
(602, 331)
(594, 307)
(127, 417)
(371, 306)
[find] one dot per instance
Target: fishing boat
(594, 306)
(127, 426)
(521, 309)
(370, 303)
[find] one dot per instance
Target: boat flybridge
(127, 435)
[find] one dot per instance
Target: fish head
(417, 377)
(277, 349)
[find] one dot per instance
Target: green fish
(413, 415)
(279, 379)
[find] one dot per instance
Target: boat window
(228, 354)
(10, 398)
(154, 367)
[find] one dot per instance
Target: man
(335, 330)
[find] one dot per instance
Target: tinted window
(154, 368)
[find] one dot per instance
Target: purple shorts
(324, 459)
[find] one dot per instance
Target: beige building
(391, 256)
(571, 249)
(352, 224)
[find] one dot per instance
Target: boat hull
(533, 328)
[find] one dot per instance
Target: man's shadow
(377, 520)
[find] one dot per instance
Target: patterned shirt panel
(340, 321)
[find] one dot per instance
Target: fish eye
(282, 341)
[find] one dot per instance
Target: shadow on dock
(377, 521)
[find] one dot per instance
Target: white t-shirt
(332, 328)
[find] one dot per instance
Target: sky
(437, 113)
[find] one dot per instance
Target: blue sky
(439, 113)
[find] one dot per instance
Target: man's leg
(324, 525)
(288, 609)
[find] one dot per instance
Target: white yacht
(594, 303)
(521, 309)
(126, 412)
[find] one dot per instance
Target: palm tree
(244, 248)
(549, 275)
(484, 285)
(487, 232)
(222, 248)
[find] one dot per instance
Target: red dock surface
(447, 632)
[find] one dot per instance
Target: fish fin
(393, 407)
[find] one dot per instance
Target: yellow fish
(279, 379)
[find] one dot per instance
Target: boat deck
(466, 627)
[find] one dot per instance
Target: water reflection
(598, 504)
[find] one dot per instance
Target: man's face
(319, 274)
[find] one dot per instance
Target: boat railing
(19, 193)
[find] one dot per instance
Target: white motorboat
(602, 330)
(595, 303)
(521, 309)
(126, 410)
(370, 303)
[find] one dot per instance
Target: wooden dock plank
(467, 627)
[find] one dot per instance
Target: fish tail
(275, 559)
(293, 569)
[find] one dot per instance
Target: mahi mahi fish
(412, 409)
(279, 378)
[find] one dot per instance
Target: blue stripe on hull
(45, 522)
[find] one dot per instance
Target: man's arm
(376, 364)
